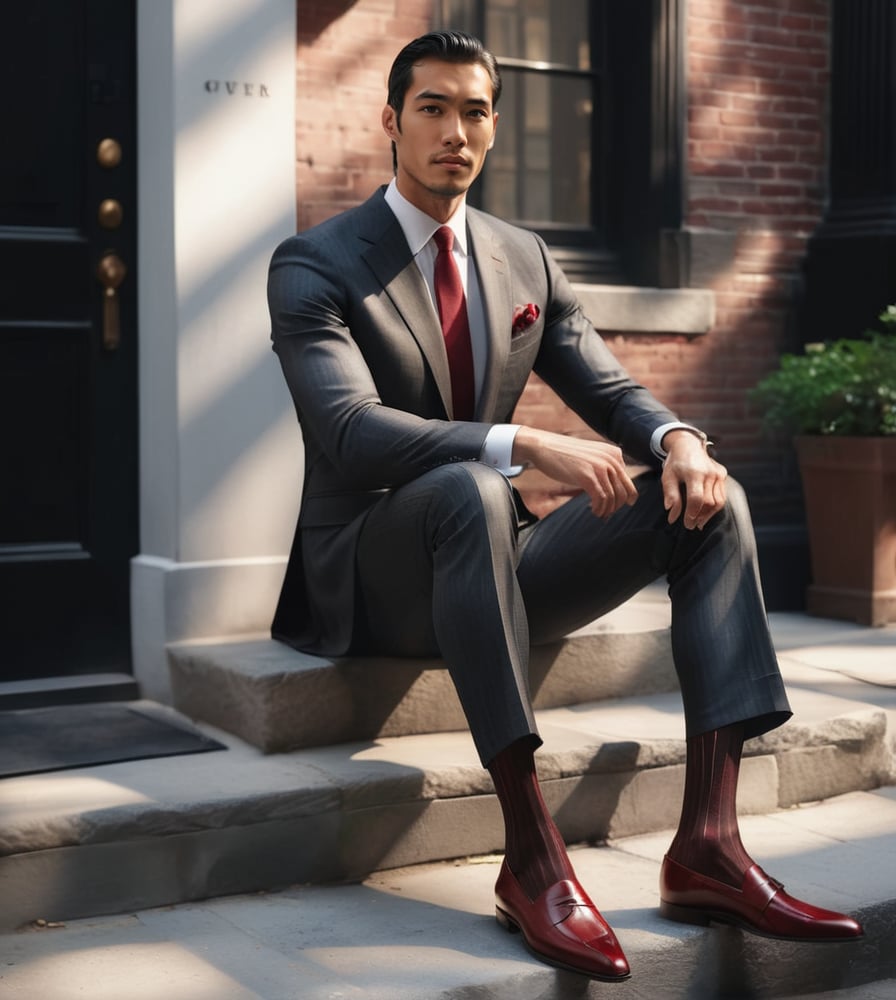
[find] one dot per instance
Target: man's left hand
(693, 482)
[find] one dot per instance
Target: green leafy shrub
(840, 387)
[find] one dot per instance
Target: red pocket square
(524, 317)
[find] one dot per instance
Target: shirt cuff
(663, 429)
(497, 449)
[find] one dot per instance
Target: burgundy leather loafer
(562, 927)
(760, 905)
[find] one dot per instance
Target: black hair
(448, 46)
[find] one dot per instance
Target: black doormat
(60, 737)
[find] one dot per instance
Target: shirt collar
(418, 227)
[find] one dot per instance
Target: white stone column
(220, 450)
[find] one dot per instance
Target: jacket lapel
(389, 257)
(494, 284)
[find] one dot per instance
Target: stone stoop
(157, 832)
(428, 932)
(383, 773)
(279, 699)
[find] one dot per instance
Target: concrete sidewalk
(428, 931)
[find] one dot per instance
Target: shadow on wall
(314, 21)
(240, 467)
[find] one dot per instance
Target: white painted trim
(173, 602)
(220, 449)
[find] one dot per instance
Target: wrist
(525, 443)
(684, 434)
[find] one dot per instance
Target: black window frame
(638, 141)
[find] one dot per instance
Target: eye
(430, 109)
(479, 113)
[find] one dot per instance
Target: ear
(491, 141)
(390, 122)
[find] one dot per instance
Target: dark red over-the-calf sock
(708, 837)
(534, 848)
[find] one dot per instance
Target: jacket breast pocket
(527, 339)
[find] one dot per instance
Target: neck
(436, 205)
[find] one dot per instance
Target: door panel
(68, 519)
(44, 62)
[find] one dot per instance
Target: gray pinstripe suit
(407, 544)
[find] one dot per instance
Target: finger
(675, 506)
(695, 505)
(671, 496)
(604, 488)
(601, 507)
(598, 496)
(608, 497)
(720, 492)
(623, 491)
(713, 501)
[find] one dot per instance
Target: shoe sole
(704, 918)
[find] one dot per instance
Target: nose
(454, 134)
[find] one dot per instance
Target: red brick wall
(757, 107)
(758, 89)
(757, 85)
(344, 53)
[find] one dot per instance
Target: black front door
(68, 350)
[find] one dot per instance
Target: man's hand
(593, 466)
(693, 483)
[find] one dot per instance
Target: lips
(452, 161)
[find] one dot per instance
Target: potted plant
(838, 399)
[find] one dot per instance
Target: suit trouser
(445, 569)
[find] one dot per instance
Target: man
(406, 329)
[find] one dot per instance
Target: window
(544, 171)
(588, 150)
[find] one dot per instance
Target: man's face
(447, 127)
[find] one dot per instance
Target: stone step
(279, 699)
(428, 932)
(157, 832)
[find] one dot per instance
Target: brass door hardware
(110, 272)
(108, 153)
(110, 213)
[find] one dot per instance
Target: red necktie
(455, 326)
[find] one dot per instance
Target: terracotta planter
(849, 484)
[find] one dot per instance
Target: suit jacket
(362, 351)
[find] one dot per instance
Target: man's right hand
(596, 467)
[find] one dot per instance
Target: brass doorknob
(110, 213)
(108, 153)
(110, 272)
